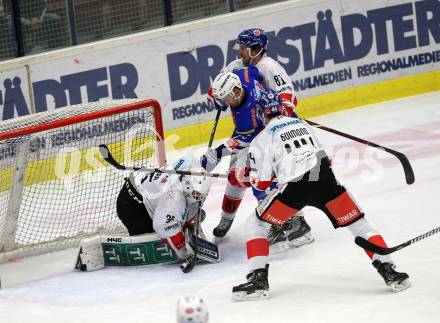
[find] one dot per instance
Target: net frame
(39, 123)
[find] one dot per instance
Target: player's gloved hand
(288, 112)
(259, 195)
(239, 177)
(219, 104)
(188, 263)
(289, 103)
(211, 158)
(234, 144)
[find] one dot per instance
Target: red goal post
(55, 189)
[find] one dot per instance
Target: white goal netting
(55, 188)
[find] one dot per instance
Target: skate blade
(256, 296)
(398, 287)
(301, 241)
(218, 240)
(279, 247)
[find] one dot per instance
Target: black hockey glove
(220, 105)
(188, 263)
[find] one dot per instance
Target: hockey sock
(229, 207)
(257, 253)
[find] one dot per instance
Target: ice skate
(397, 281)
(292, 234)
(222, 228)
(257, 286)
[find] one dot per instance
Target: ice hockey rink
(331, 280)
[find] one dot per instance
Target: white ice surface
(330, 280)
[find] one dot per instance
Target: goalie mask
(192, 309)
(196, 188)
(224, 85)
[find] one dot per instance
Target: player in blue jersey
(243, 93)
(240, 91)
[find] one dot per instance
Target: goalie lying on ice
(165, 204)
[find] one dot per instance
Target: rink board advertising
(325, 47)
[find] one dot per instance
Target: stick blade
(103, 150)
(363, 243)
(409, 172)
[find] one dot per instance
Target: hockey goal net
(55, 188)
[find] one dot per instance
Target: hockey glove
(259, 195)
(219, 104)
(188, 263)
(289, 103)
(239, 177)
(211, 158)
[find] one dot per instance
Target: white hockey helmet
(196, 188)
(224, 85)
(192, 309)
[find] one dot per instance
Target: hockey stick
(197, 217)
(197, 227)
(363, 243)
(105, 153)
(214, 128)
(409, 173)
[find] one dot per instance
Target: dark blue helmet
(271, 103)
(253, 36)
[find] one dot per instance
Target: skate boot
(277, 237)
(298, 233)
(222, 228)
(397, 281)
(256, 287)
(292, 234)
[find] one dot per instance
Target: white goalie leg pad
(90, 255)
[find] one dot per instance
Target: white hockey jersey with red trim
(287, 148)
(274, 77)
(164, 199)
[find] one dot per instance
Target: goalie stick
(409, 173)
(363, 243)
(105, 153)
(203, 249)
(195, 241)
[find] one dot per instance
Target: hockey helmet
(252, 37)
(224, 85)
(192, 309)
(271, 103)
(196, 188)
